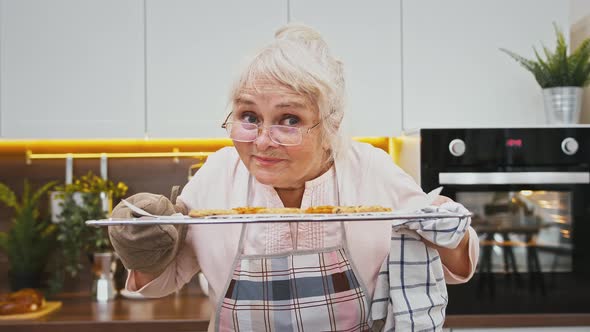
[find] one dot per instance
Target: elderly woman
(287, 107)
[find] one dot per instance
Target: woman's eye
(248, 117)
(290, 121)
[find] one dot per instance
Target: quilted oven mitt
(148, 249)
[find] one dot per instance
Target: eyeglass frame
(225, 123)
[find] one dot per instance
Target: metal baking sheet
(269, 218)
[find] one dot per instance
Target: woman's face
(284, 167)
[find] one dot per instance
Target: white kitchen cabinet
(194, 51)
(72, 69)
(366, 36)
(453, 72)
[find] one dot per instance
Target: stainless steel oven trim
(475, 178)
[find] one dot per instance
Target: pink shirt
(365, 176)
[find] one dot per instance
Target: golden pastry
(248, 209)
(280, 211)
(323, 209)
(210, 212)
(346, 209)
(374, 208)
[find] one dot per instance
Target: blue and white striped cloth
(411, 294)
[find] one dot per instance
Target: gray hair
(299, 58)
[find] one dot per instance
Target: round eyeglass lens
(242, 131)
(285, 135)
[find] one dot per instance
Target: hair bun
(299, 33)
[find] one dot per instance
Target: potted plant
(88, 197)
(561, 76)
(28, 243)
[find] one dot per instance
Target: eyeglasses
(279, 134)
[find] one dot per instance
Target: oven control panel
(569, 146)
(457, 147)
(510, 149)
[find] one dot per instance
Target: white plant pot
(56, 201)
(563, 104)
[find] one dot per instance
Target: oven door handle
(475, 178)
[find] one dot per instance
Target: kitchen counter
(190, 311)
(184, 311)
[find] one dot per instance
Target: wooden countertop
(185, 311)
(190, 311)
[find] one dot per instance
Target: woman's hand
(455, 259)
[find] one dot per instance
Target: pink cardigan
(363, 176)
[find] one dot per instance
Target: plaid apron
(300, 290)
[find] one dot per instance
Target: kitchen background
(162, 69)
(150, 73)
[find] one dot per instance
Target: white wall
(454, 73)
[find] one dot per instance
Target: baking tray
(270, 218)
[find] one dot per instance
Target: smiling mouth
(266, 161)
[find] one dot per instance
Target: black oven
(529, 190)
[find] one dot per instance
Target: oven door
(534, 235)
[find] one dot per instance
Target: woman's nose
(263, 140)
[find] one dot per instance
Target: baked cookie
(280, 211)
(248, 209)
(373, 208)
(210, 212)
(324, 209)
(346, 209)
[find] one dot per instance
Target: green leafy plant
(559, 69)
(28, 243)
(83, 200)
